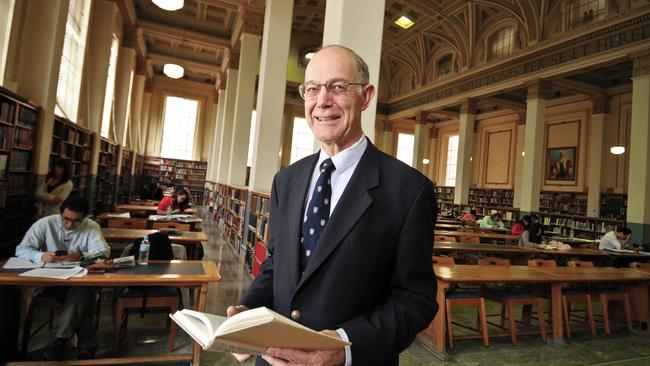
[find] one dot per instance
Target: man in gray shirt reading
(68, 236)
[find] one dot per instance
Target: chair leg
(119, 310)
(27, 326)
(628, 314)
(503, 314)
(604, 306)
(542, 321)
(567, 315)
(512, 324)
(450, 337)
(590, 316)
(172, 331)
(483, 316)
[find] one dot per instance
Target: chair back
(492, 261)
(127, 223)
(171, 225)
(542, 263)
(580, 264)
(445, 261)
(444, 239)
(470, 239)
(160, 247)
(639, 265)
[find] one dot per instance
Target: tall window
(405, 143)
(110, 88)
(6, 17)
(251, 139)
(443, 67)
(452, 159)
(302, 140)
(585, 11)
(72, 59)
(178, 129)
(501, 42)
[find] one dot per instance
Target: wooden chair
(444, 239)
(127, 223)
(470, 239)
(569, 296)
(639, 265)
(171, 226)
(509, 297)
(457, 297)
(605, 295)
(159, 297)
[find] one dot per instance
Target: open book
(251, 332)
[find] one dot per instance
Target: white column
(250, 45)
(226, 134)
(270, 102)
(599, 116)
(144, 122)
(519, 160)
(136, 113)
(531, 181)
(638, 194)
(465, 144)
(216, 138)
(123, 87)
(420, 135)
(343, 26)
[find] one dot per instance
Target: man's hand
(48, 257)
(232, 310)
(295, 357)
(72, 256)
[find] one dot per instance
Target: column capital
(433, 133)
(641, 65)
(252, 20)
(600, 104)
(231, 58)
(535, 89)
(468, 106)
(388, 127)
(521, 118)
(421, 117)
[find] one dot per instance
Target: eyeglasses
(310, 91)
(67, 220)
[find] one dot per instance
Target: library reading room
(466, 182)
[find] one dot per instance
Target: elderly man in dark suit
(351, 231)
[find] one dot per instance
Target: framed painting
(561, 163)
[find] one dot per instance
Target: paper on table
(56, 273)
(125, 215)
(19, 263)
(61, 264)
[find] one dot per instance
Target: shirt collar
(346, 158)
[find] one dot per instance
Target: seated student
(454, 212)
(73, 237)
(492, 221)
(469, 217)
(531, 236)
(519, 226)
(616, 239)
(177, 202)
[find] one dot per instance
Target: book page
(19, 263)
(56, 273)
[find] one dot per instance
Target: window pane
(179, 125)
(405, 144)
(110, 88)
(302, 140)
(443, 68)
(251, 139)
(501, 42)
(452, 158)
(6, 17)
(72, 59)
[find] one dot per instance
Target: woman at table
(54, 190)
(469, 217)
(531, 236)
(176, 203)
(492, 221)
(519, 226)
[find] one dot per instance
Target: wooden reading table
(145, 208)
(186, 238)
(108, 216)
(508, 238)
(197, 274)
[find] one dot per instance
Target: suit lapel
(297, 198)
(354, 201)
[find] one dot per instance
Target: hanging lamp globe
(173, 71)
(169, 5)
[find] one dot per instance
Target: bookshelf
(74, 143)
(496, 198)
(126, 179)
(257, 233)
(445, 197)
(231, 208)
(106, 172)
(613, 206)
(567, 203)
(584, 227)
(182, 173)
(18, 122)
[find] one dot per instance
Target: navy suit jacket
(371, 271)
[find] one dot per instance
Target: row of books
(7, 112)
(27, 117)
(17, 183)
(20, 160)
(23, 138)
(4, 132)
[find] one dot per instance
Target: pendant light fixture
(169, 5)
(617, 149)
(171, 69)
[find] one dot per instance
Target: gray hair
(362, 67)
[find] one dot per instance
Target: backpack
(160, 247)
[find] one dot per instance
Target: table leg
(200, 306)
(433, 338)
(556, 312)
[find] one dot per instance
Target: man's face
(335, 120)
(71, 219)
